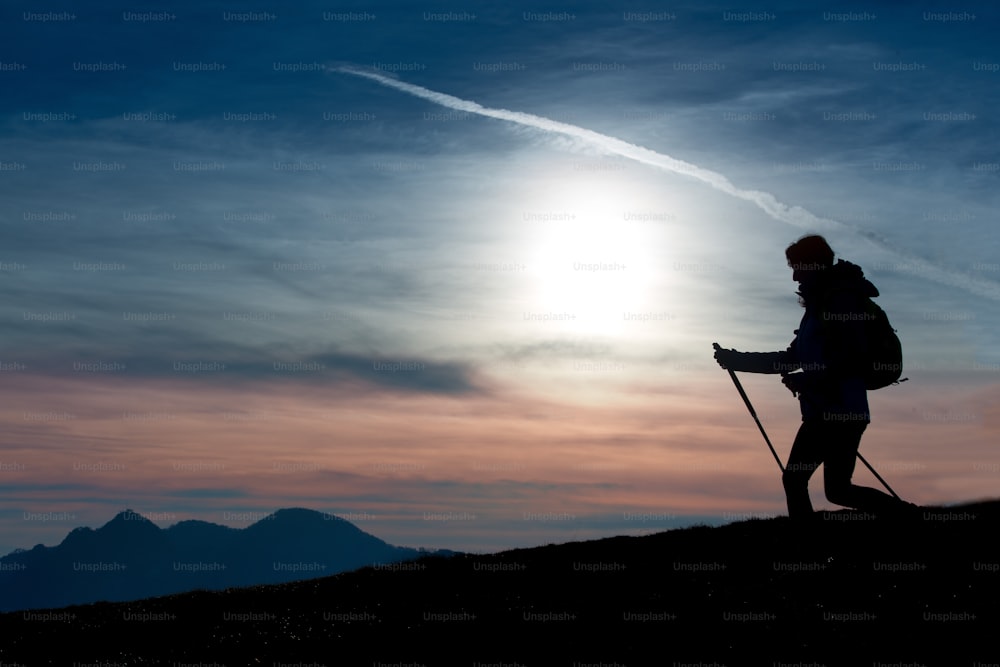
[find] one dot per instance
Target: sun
(592, 256)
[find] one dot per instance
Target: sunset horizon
(457, 272)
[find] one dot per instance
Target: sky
(454, 272)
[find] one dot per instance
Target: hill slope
(844, 589)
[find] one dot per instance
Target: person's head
(808, 257)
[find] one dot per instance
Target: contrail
(792, 215)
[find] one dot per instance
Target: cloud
(795, 216)
(217, 362)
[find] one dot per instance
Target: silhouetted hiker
(830, 350)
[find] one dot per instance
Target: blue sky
(239, 277)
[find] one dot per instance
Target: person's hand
(795, 382)
(725, 358)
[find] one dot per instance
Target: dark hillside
(845, 589)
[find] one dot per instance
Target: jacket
(830, 347)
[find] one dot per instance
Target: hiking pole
(753, 413)
(878, 476)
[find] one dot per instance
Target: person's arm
(784, 361)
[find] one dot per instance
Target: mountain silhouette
(131, 558)
(843, 589)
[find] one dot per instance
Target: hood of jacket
(843, 275)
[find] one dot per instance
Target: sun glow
(593, 254)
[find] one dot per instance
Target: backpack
(885, 352)
(884, 364)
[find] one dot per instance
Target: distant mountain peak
(129, 515)
(297, 512)
(130, 519)
(145, 560)
(305, 520)
(300, 515)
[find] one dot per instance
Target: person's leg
(841, 441)
(805, 457)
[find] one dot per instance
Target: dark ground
(845, 589)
